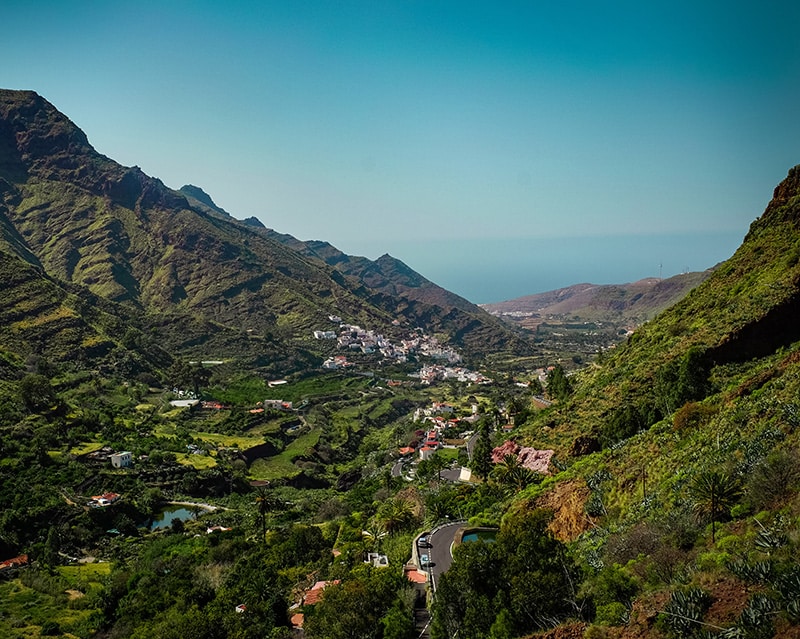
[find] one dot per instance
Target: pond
(166, 516)
(488, 536)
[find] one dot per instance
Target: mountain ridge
(129, 239)
(639, 300)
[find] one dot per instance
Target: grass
(449, 454)
(272, 427)
(281, 466)
(228, 441)
(85, 448)
(200, 462)
(24, 609)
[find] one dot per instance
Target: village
(355, 339)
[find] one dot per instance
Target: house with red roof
(14, 562)
(314, 594)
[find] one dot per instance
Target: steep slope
(678, 454)
(746, 309)
(41, 318)
(173, 256)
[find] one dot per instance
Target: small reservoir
(488, 536)
(166, 516)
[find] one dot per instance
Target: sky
(499, 148)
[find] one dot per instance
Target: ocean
(495, 270)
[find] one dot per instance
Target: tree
(264, 503)
(398, 622)
(715, 493)
(356, 608)
(376, 531)
(509, 588)
(558, 384)
(439, 464)
(683, 380)
(624, 422)
(395, 514)
(50, 556)
(481, 463)
(465, 596)
(36, 393)
(535, 569)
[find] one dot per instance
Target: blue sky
(424, 129)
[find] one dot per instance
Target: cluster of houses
(439, 416)
(337, 362)
(354, 338)
(437, 372)
(277, 404)
(106, 454)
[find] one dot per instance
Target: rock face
(197, 276)
(536, 460)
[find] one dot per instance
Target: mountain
(198, 198)
(186, 271)
(638, 300)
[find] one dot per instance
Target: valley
(633, 449)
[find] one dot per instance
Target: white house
(122, 460)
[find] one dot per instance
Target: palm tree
(511, 472)
(376, 531)
(439, 463)
(265, 502)
(714, 493)
(395, 515)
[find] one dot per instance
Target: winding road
(441, 540)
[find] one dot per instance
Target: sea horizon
(491, 270)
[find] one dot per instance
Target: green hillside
(176, 259)
(700, 403)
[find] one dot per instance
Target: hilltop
(633, 302)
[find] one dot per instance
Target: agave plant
(685, 610)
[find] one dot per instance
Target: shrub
(692, 415)
(624, 422)
(612, 614)
(774, 479)
(756, 619)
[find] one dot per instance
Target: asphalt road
(442, 541)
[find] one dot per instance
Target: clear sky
(430, 129)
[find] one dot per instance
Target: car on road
(424, 542)
(425, 562)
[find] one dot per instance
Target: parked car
(423, 542)
(425, 562)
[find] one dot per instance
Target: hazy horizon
(486, 271)
(394, 123)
